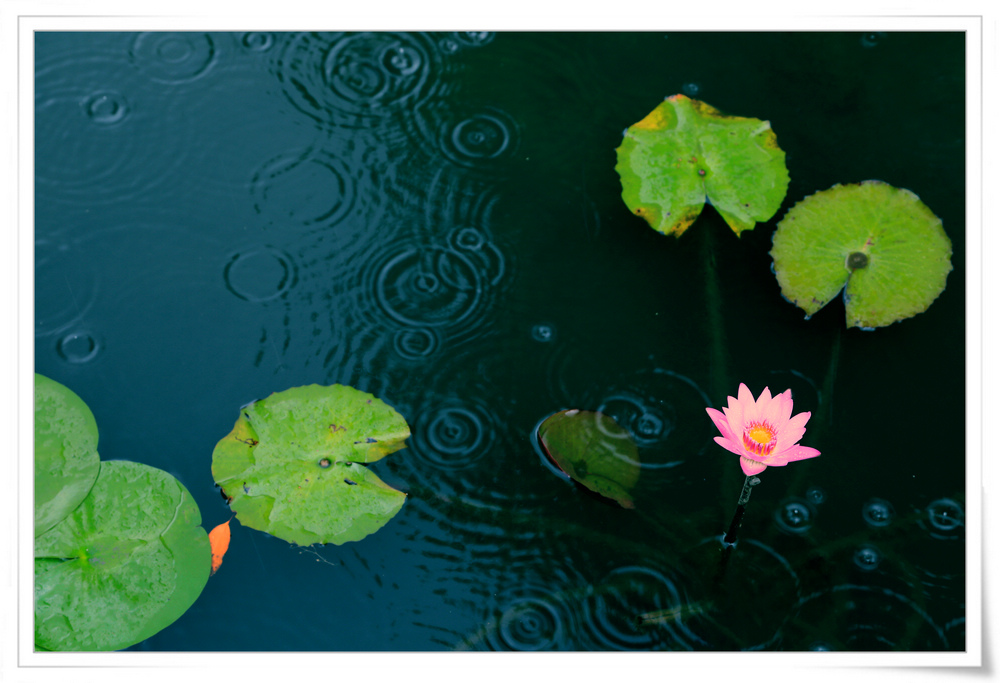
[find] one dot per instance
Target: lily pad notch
(686, 152)
(293, 465)
(878, 244)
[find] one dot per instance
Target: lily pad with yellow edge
(293, 465)
(685, 152)
(879, 244)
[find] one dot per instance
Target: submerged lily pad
(125, 564)
(292, 464)
(66, 458)
(880, 241)
(592, 449)
(685, 152)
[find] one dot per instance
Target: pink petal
(777, 411)
(745, 397)
(789, 436)
(731, 446)
(795, 453)
(759, 406)
(735, 415)
(787, 439)
(720, 422)
(799, 421)
(773, 412)
(783, 408)
(764, 403)
(735, 428)
(751, 467)
(792, 431)
(732, 402)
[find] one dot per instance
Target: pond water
(436, 219)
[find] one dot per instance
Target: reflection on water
(435, 218)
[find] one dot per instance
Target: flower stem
(741, 506)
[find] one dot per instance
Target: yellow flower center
(759, 438)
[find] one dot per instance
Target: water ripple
(816, 495)
(106, 107)
(533, 611)
(474, 38)
(738, 611)
(65, 289)
(260, 274)
(448, 286)
(257, 41)
(795, 515)
(100, 131)
(427, 286)
(232, 134)
(640, 608)
(355, 79)
(867, 557)
(77, 308)
(529, 623)
(454, 435)
(304, 188)
(878, 513)
(944, 519)
(939, 565)
(477, 245)
(415, 343)
(664, 412)
(78, 347)
(872, 39)
(857, 618)
(543, 332)
(479, 139)
(459, 441)
(173, 57)
(691, 89)
(453, 198)
(483, 136)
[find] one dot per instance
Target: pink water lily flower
(762, 432)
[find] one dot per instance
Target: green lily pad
(685, 152)
(66, 458)
(124, 565)
(592, 449)
(880, 241)
(292, 464)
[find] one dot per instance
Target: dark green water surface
(436, 219)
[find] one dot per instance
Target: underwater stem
(718, 381)
(829, 378)
(823, 419)
(713, 301)
(741, 506)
